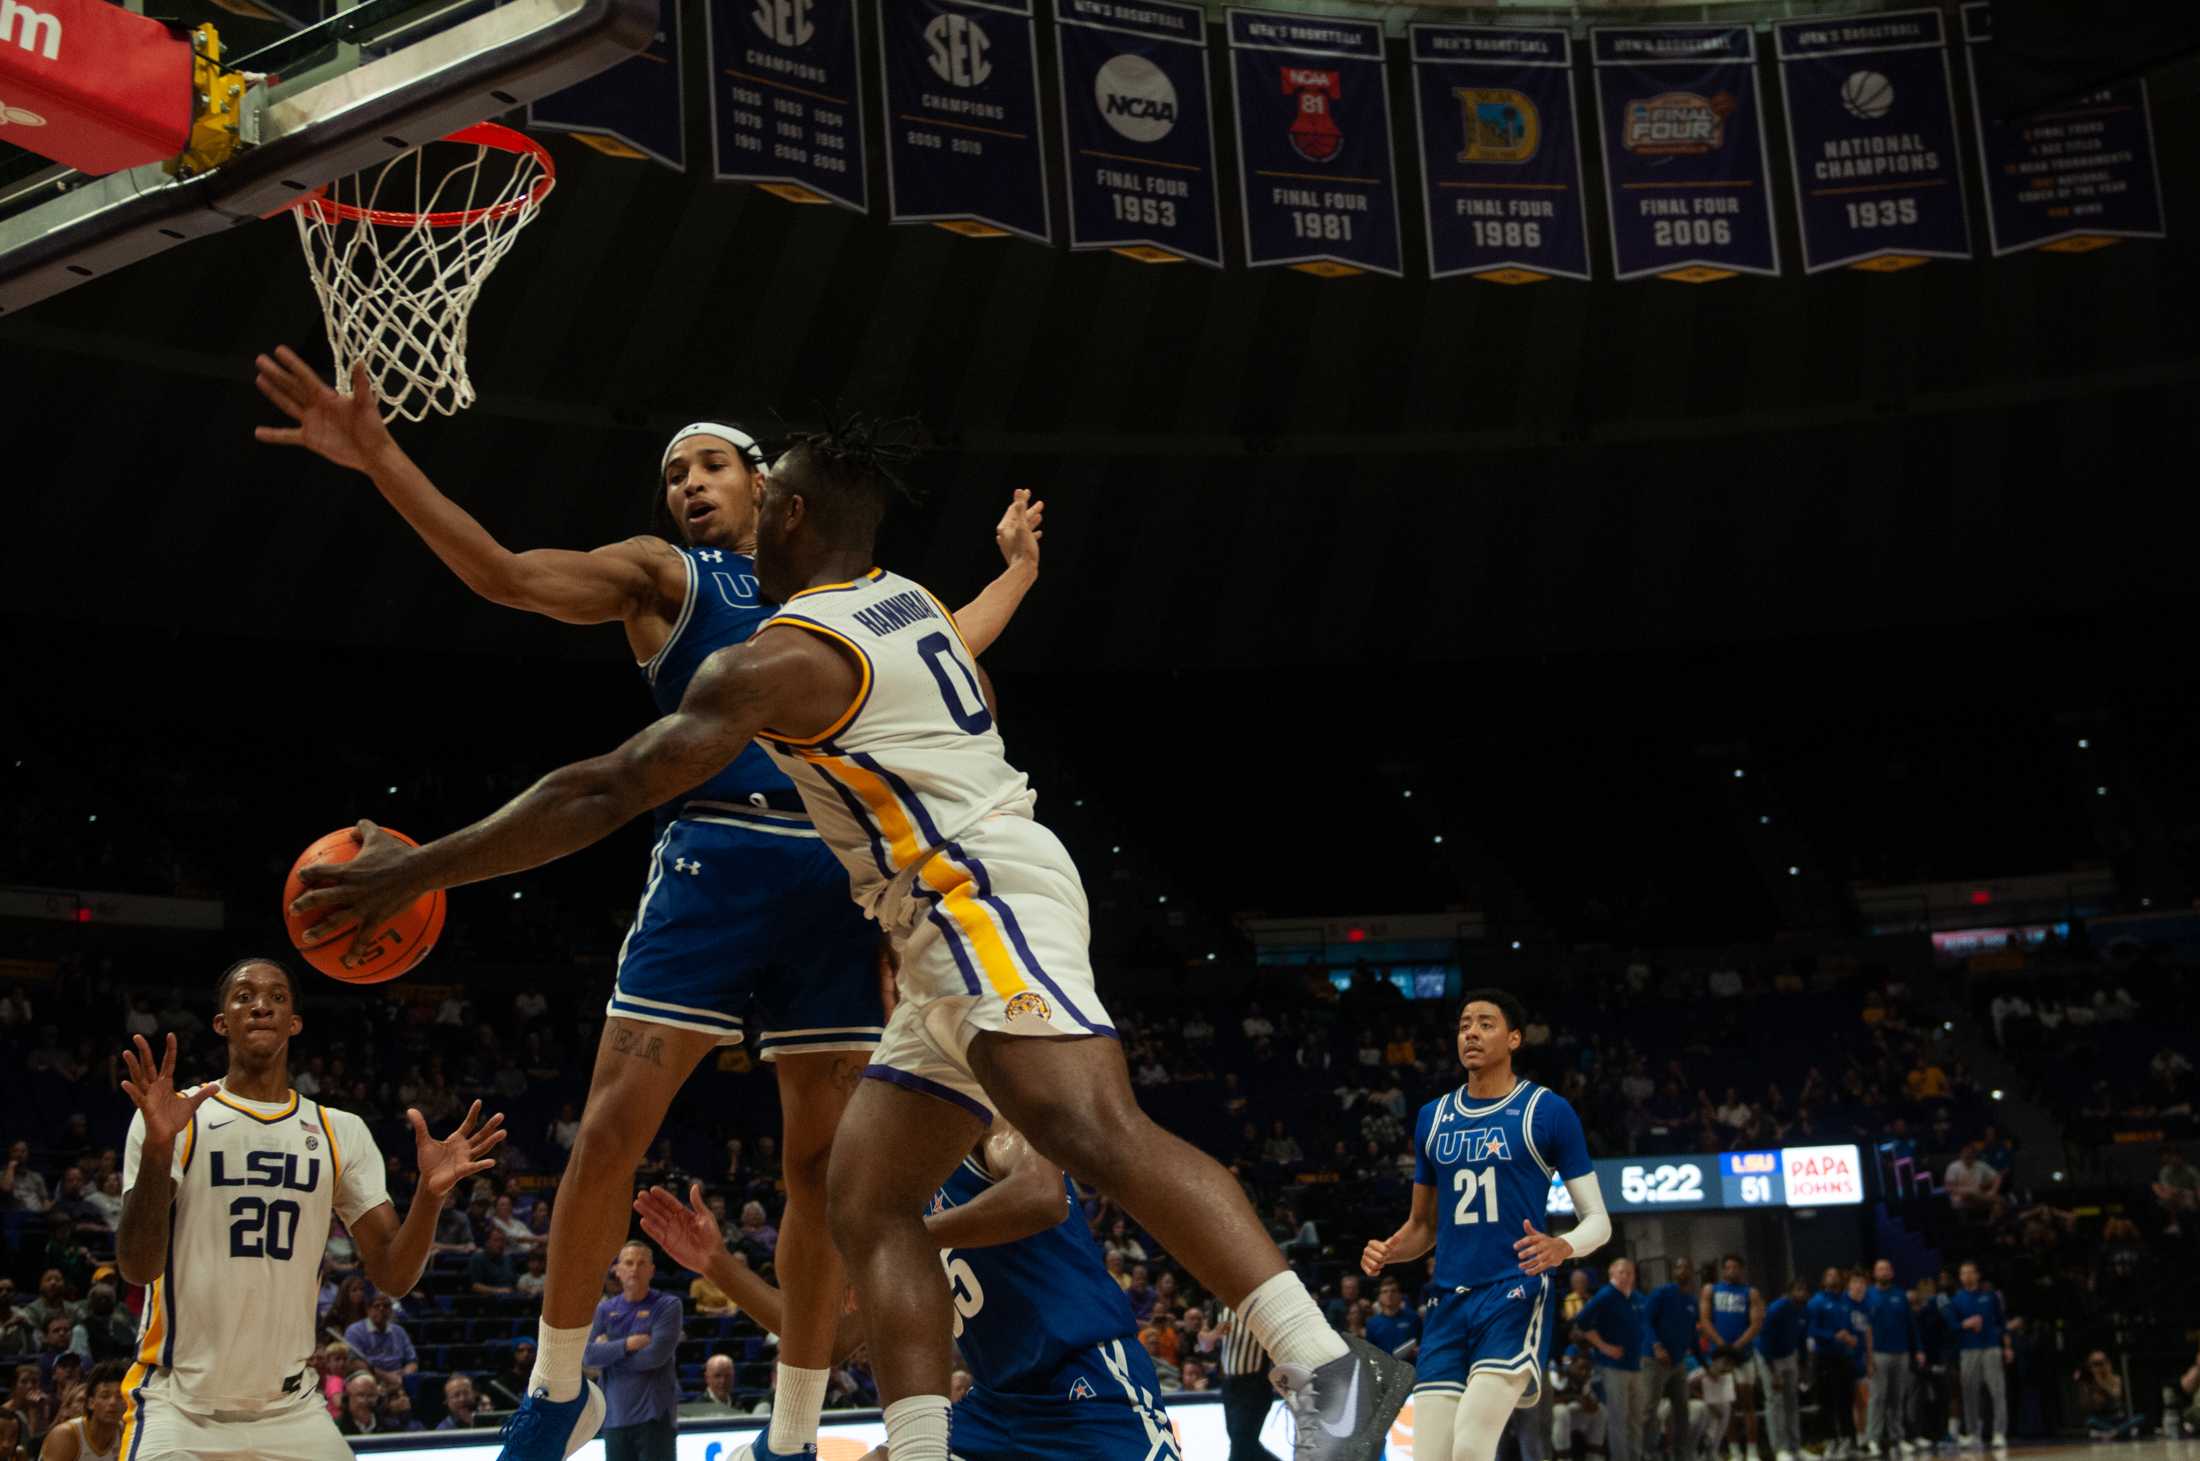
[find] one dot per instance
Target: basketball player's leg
(1482, 1413)
(814, 1091)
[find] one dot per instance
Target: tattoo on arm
(625, 1040)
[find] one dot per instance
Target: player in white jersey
(227, 1192)
(862, 689)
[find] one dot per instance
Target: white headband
(744, 442)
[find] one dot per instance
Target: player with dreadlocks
(744, 903)
(864, 692)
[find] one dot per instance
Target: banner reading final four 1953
(1500, 155)
(1871, 124)
(1685, 168)
(1313, 118)
(2078, 176)
(786, 98)
(962, 116)
(1137, 133)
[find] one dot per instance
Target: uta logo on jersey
(1082, 1389)
(1476, 1144)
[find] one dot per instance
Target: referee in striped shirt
(1246, 1393)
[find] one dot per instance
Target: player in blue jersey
(1484, 1158)
(1729, 1314)
(1048, 1337)
(744, 904)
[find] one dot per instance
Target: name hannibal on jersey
(1491, 1164)
(229, 1323)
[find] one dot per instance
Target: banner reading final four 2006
(962, 116)
(1685, 167)
(1871, 122)
(1313, 121)
(1136, 129)
(2078, 176)
(786, 98)
(1500, 157)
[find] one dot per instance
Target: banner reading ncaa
(1500, 158)
(1313, 119)
(962, 116)
(786, 98)
(1137, 133)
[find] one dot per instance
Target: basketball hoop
(397, 284)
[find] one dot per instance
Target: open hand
(1540, 1252)
(446, 1163)
(363, 894)
(345, 427)
(1018, 530)
(152, 1088)
(688, 1233)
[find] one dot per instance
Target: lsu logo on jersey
(1031, 1003)
(1475, 1144)
(1501, 125)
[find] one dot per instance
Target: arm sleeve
(362, 1184)
(1424, 1171)
(1557, 1135)
(1592, 1227)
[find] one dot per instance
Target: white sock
(558, 1360)
(916, 1428)
(1282, 1316)
(795, 1408)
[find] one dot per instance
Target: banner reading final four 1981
(1313, 118)
(1137, 133)
(2078, 176)
(1500, 155)
(1871, 124)
(962, 116)
(786, 98)
(1685, 168)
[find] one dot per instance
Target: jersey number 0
(1464, 1182)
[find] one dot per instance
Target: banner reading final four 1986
(1313, 118)
(1685, 168)
(1137, 133)
(2080, 175)
(1871, 124)
(962, 116)
(786, 98)
(1500, 155)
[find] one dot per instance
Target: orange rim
(481, 134)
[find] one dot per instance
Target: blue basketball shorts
(1095, 1409)
(750, 912)
(1500, 1328)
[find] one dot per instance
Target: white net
(398, 254)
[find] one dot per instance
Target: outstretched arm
(690, 1237)
(1027, 1197)
(610, 584)
(782, 678)
(981, 621)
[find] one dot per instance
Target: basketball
(402, 944)
(1868, 95)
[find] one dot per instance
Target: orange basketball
(403, 943)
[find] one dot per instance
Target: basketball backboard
(346, 85)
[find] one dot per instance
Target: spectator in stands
(1281, 1149)
(717, 1396)
(538, 1221)
(461, 1405)
(350, 1307)
(2101, 1397)
(453, 1232)
(21, 1184)
(1140, 1292)
(397, 1407)
(1392, 1326)
(490, 1271)
(1578, 1421)
(756, 1235)
(108, 1332)
(1973, 1187)
(1926, 1080)
(30, 1400)
(1299, 1239)
(107, 1201)
(332, 1363)
(386, 1347)
(1256, 1024)
(12, 1445)
(61, 1336)
(567, 1129)
(1733, 1112)
(1578, 1292)
(636, 1338)
(517, 1235)
(53, 1298)
(2177, 1189)
(71, 1199)
(508, 1386)
(18, 1336)
(1348, 1294)
(1125, 1242)
(530, 1283)
(362, 1415)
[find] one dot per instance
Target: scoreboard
(1791, 1177)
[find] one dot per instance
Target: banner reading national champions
(1137, 131)
(1871, 124)
(1500, 155)
(962, 116)
(787, 98)
(1312, 101)
(1685, 170)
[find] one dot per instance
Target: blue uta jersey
(1491, 1163)
(1730, 1310)
(1024, 1310)
(723, 607)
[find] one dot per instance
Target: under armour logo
(711, 555)
(682, 865)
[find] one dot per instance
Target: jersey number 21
(1464, 1182)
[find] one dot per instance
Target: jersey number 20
(257, 1228)
(1464, 1182)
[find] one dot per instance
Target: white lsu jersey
(229, 1324)
(915, 761)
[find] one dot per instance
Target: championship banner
(2075, 178)
(786, 99)
(1313, 121)
(1137, 134)
(635, 109)
(962, 116)
(1685, 167)
(1871, 127)
(1500, 156)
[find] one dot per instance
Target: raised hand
(688, 1234)
(1018, 530)
(1540, 1252)
(152, 1088)
(363, 894)
(446, 1163)
(346, 428)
